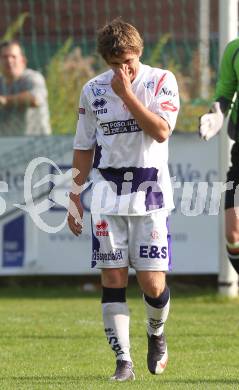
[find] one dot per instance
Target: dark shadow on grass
(60, 292)
(47, 293)
(72, 286)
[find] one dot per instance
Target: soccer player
(126, 116)
(23, 94)
(210, 124)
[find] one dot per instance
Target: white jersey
(131, 175)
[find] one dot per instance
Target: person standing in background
(23, 95)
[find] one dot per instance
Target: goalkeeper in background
(226, 101)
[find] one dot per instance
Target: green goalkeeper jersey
(228, 85)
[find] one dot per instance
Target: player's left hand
(75, 214)
(120, 82)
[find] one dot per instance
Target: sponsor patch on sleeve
(168, 106)
(81, 111)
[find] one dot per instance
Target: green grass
(52, 338)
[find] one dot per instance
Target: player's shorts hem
(138, 265)
(109, 266)
(151, 269)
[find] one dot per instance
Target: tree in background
(68, 70)
(66, 74)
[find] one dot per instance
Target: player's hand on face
(75, 214)
(120, 82)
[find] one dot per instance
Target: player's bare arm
(82, 162)
(150, 123)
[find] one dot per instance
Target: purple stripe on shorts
(169, 247)
(95, 245)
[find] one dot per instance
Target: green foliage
(68, 71)
(188, 78)
(66, 74)
(158, 49)
(15, 27)
(189, 114)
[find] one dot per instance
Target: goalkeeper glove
(211, 123)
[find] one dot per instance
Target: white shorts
(142, 242)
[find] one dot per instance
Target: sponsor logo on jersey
(168, 106)
(155, 235)
(81, 111)
(98, 91)
(101, 228)
(107, 256)
(152, 252)
(101, 111)
(117, 127)
(149, 84)
(168, 92)
(99, 103)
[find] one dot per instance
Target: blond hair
(118, 37)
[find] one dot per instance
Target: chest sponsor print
(118, 127)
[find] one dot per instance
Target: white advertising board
(195, 236)
(27, 249)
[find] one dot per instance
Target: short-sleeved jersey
(131, 168)
(228, 85)
(15, 120)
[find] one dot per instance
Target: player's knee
(114, 278)
(232, 248)
(152, 283)
(155, 291)
(233, 254)
(233, 242)
(232, 237)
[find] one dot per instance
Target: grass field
(52, 338)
